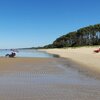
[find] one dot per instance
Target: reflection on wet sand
(45, 79)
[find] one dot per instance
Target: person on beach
(13, 54)
(97, 50)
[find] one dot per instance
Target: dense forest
(87, 36)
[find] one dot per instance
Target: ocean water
(27, 53)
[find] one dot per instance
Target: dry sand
(83, 55)
(45, 79)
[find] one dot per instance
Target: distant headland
(86, 36)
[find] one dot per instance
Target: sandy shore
(83, 55)
(45, 79)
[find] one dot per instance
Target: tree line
(86, 36)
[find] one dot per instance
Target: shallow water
(58, 82)
(27, 53)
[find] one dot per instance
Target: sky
(33, 23)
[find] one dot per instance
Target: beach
(81, 55)
(45, 79)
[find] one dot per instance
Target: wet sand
(45, 79)
(82, 55)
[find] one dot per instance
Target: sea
(26, 53)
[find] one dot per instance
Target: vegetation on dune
(87, 36)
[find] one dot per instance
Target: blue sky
(29, 23)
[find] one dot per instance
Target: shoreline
(60, 53)
(83, 56)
